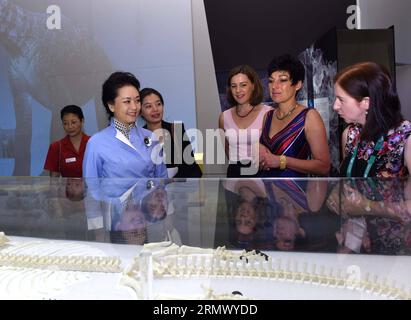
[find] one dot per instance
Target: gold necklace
(286, 115)
(236, 111)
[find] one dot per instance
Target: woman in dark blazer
(177, 148)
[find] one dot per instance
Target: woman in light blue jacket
(123, 150)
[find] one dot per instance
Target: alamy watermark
(354, 18)
(242, 146)
(54, 19)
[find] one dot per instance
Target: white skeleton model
(47, 269)
(167, 260)
(64, 263)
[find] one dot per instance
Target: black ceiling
(254, 31)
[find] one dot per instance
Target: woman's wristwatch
(283, 162)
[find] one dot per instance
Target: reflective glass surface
(364, 216)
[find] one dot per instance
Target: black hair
(146, 210)
(147, 91)
(292, 65)
(114, 82)
(72, 109)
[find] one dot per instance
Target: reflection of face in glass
(131, 219)
(247, 194)
(75, 189)
(285, 231)
(155, 205)
(245, 218)
(129, 226)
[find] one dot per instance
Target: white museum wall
(376, 14)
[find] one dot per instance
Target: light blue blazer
(109, 154)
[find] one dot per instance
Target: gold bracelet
(283, 162)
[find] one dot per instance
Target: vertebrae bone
(170, 260)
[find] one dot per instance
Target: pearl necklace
(236, 111)
(286, 115)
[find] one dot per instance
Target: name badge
(68, 160)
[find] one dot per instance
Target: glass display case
(69, 238)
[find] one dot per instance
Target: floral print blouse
(390, 159)
(391, 233)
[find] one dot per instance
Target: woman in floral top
(376, 142)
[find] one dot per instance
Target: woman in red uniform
(65, 157)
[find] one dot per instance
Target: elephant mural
(53, 67)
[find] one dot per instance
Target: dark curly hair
(287, 62)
